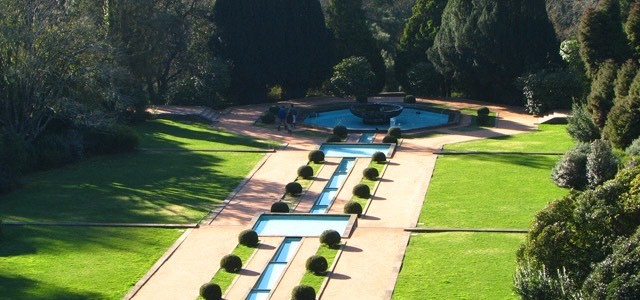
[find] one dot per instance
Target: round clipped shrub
(483, 111)
(409, 99)
(395, 131)
(317, 264)
(248, 238)
(293, 188)
(379, 157)
(279, 207)
(362, 190)
(231, 263)
(353, 208)
(333, 139)
(268, 118)
(371, 173)
(305, 171)
(211, 291)
(390, 139)
(303, 292)
(316, 156)
(330, 238)
(483, 116)
(341, 131)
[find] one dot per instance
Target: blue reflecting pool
(355, 150)
(301, 225)
(409, 119)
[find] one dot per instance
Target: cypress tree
(632, 28)
(600, 99)
(418, 36)
(347, 20)
(272, 42)
(601, 36)
(624, 78)
(623, 123)
(483, 45)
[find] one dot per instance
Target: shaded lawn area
(489, 191)
(459, 266)
(548, 138)
(77, 263)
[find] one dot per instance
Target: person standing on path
(282, 117)
(289, 121)
(294, 115)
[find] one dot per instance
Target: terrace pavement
(371, 261)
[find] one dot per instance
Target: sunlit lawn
(459, 266)
(548, 138)
(151, 186)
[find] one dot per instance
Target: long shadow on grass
(18, 287)
(527, 160)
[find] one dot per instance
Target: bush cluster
(316, 156)
(231, 263)
(317, 264)
(330, 238)
(370, 173)
(293, 188)
(395, 131)
(249, 238)
(410, 99)
(210, 291)
(305, 171)
(362, 190)
(634, 148)
(390, 139)
(303, 292)
(341, 131)
(354, 208)
(110, 140)
(379, 157)
(268, 118)
(280, 207)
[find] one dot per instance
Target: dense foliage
(249, 238)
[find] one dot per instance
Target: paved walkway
(372, 259)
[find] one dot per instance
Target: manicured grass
(489, 191)
(77, 263)
(459, 266)
(370, 183)
(548, 138)
(314, 280)
(224, 278)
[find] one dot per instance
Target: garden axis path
(371, 260)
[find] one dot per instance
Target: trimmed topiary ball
(333, 139)
(303, 292)
(395, 131)
(231, 263)
(279, 207)
(317, 264)
(370, 173)
(330, 238)
(305, 171)
(293, 188)
(362, 190)
(353, 208)
(210, 291)
(483, 116)
(483, 111)
(409, 99)
(316, 156)
(248, 238)
(390, 139)
(379, 157)
(341, 131)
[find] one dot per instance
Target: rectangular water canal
(274, 269)
(355, 150)
(302, 225)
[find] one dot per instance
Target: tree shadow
(370, 218)
(19, 287)
(339, 276)
(246, 272)
(348, 248)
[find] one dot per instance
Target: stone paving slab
(296, 269)
(250, 273)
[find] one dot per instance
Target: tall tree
(602, 95)
(632, 28)
(418, 36)
(347, 20)
(623, 122)
(601, 36)
(294, 49)
(483, 46)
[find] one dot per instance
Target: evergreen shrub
(317, 264)
(362, 190)
(371, 173)
(333, 139)
(395, 131)
(210, 291)
(280, 207)
(303, 292)
(353, 207)
(379, 157)
(231, 263)
(341, 131)
(305, 171)
(249, 238)
(390, 139)
(409, 99)
(293, 188)
(330, 238)
(316, 156)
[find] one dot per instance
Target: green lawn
(314, 280)
(548, 138)
(224, 278)
(77, 263)
(489, 191)
(459, 266)
(147, 187)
